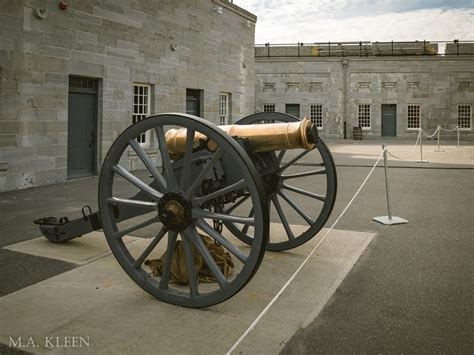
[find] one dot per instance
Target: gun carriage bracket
(225, 182)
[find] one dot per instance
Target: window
(316, 114)
(269, 108)
(224, 108)
(413, 117)
(464, 116)
(364, 116)
(141, 108)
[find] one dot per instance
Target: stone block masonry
(171, 46)
(438, 85)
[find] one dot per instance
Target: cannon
(196, 180)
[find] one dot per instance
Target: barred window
(464, 116)
(363, 119)
(269, 108)
(413, 117)
(316, 114)
(141, 108)
(224, 108)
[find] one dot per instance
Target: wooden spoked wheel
(173, 202)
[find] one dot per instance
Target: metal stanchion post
(421, 149)
(421, 146)
(388, 220)
(439, 133)
(457, 128)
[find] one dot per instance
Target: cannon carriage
(206, 183)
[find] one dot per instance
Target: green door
(293, 109)
(82, 130)
(389, 120)
(193, 102)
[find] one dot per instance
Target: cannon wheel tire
(159, 182)
(318, 163)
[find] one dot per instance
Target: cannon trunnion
(198, 181)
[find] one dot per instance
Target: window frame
(224, 108)
(318, 111)
(145, 106)
(268, 105)
(369, 116)
(408, 117)
(470, 117)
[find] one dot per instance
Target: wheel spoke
(296, 208)
(188, 154)
(139, 261)
(295, 159)
(165, 157)
(304, 192)
(283, 219)
(202, 175)
(149, 164)
(211, 263)
(281, 155)
(166, 271)
(132, 203)
(124, 232)
(245, 229)
(136, 181)
(193, 287)
(306, 173)
(201, 224)
(200, 213)
(238, 185)
(235, 205)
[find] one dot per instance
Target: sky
(308, 21)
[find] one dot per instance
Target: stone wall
(437, 84)
(172, 45)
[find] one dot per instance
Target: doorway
(193, 102)
(389, 120)
(82, 127)
(293, 109)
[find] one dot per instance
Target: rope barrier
(448, 130)
(285, 286)
(393, 155)
(437, 131)
(431, 135)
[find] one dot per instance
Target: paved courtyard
(369, 288)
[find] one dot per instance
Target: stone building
(388, 89)
(75, 74)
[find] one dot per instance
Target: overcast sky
(287, 21)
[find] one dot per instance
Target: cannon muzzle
(263, 137)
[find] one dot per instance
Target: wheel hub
(271, 183)
(174, 212)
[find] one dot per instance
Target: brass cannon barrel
(263, 137)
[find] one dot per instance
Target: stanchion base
(388, 221)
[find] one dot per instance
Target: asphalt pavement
(411, 290)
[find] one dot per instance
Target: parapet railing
(365, 49)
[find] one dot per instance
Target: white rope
(418, 138)
(265, 310)
(448, 130)
(393, 155)
(432, 135)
